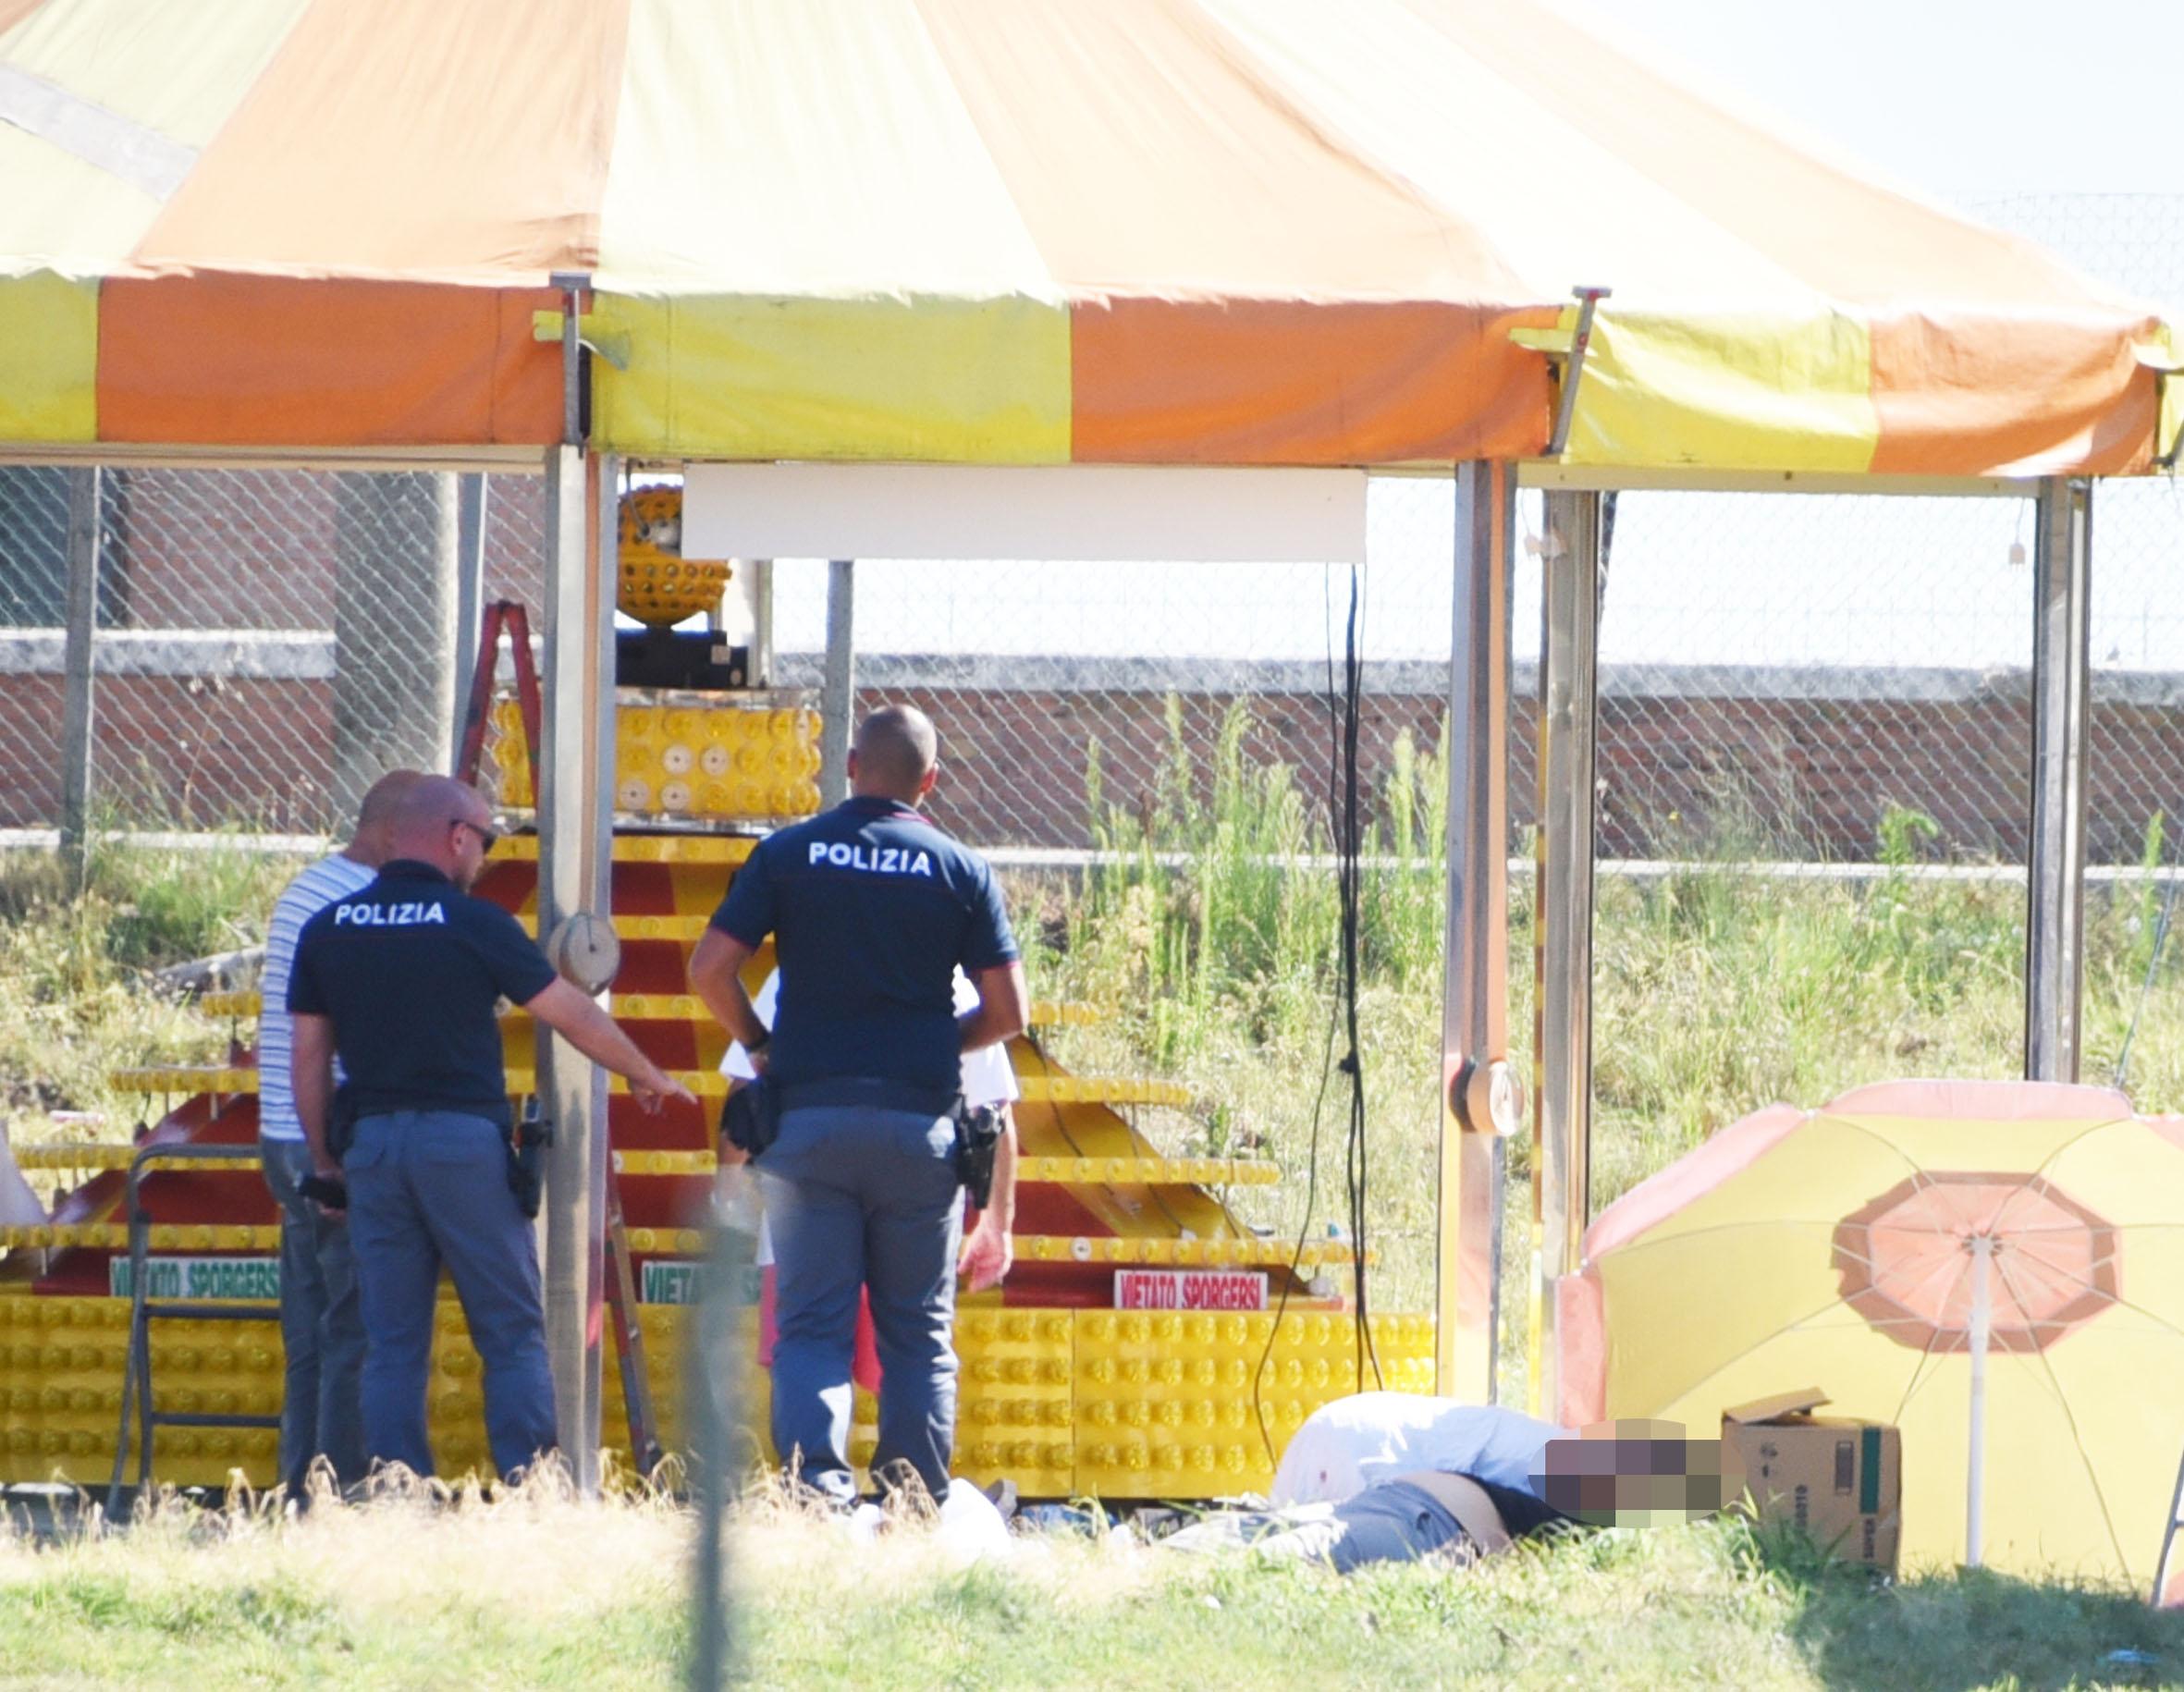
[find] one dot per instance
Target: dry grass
(425, 1589)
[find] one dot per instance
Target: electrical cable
(1259, 1376)
(1347, 822)
(1334, 1018)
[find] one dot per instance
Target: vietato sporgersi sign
(1190, 1290)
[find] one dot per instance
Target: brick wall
(1801, 777)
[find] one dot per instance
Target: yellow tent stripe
(49, 358)
(1726, 391)
(932, 380)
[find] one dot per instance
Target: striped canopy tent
(1242, 232)
(1252, 233)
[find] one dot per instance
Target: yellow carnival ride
(1188, 1392)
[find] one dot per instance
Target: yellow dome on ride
(658, 585)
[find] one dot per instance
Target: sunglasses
(488, 838)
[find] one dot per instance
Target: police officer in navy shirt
(872, 909)
(402, 980)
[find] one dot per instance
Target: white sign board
(1094, 512)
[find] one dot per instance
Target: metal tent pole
(78, 687)
(838, 694)
(1479, 1097)
(1561, 1126)
(575, 796)
(762, 622)
(575, 775)
(396, 635)
(2054, 927)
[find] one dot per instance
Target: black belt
(859, 1092)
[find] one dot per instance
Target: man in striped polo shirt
(322, 1329)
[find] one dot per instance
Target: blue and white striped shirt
(302, 898)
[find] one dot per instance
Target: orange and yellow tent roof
(1146, 231)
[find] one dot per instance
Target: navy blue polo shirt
(410, 969)
(871, 909)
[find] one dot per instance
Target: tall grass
(78, 998)
(1210, 933)
(1202, 917)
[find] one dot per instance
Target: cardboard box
(1838, 1480)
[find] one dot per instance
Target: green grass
(540, 1592)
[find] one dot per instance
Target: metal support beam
(1474, 1033)
(762, 621)
(395, 634)
(576, 791)
(469, 598)
(837, 691)
(1562, 1124)
(2054, 925)
(77, 687)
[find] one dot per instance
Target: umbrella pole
(1983, 1255)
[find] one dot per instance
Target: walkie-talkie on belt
(528, 1139)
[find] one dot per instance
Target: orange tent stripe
(289, 362)
(1175, 171)
(2084, 403)
(1286, 382)
(393, 137)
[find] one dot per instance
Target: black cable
(1297, 1258)
(1347, 822)
(1304, 1232)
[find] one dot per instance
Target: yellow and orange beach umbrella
(1996, 1267)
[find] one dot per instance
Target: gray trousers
(427, 1188)
(858, 1196)
(1393, 1522)
(322, 1328)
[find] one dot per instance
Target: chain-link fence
(267, 642)
(1779, 675)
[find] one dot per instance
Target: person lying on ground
(1392, 1477)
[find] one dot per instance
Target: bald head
(375, 817)
(895, 755)
(441, 822)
